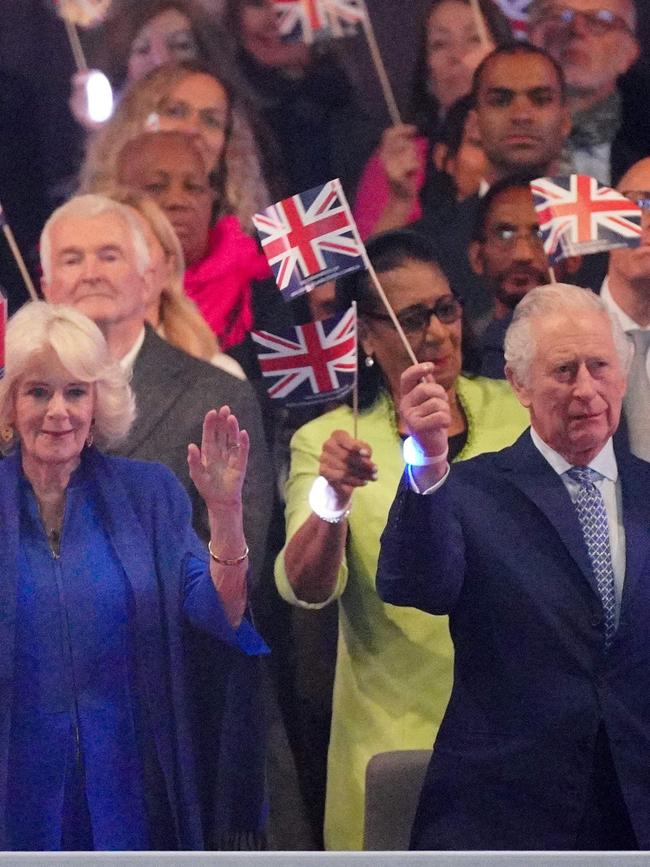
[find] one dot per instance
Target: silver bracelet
(320, 496)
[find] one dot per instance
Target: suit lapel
(636, 516)
(154, 367)
(537, 480)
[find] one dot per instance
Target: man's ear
(521, 390)
(629, 50)
(572, 265)
(475, 258)
(148, 279)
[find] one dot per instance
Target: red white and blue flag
(516, 11)
(310, 363)
(310, 238)
(3, 331)
(311, 20)
(579, 216)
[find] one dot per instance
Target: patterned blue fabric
(592, 515)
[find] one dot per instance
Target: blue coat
(198, 685)
(499, 548)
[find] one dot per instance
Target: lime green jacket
(394, 665)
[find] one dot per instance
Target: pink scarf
(220, 284)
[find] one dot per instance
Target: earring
(7, 433)
(369, 361)
(90, 439)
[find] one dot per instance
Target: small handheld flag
(83, 13)
(3, 331)
(310, 363)
(313, 20)
(579, 216)
(516, 11)
(310, 238)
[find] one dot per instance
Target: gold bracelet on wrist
(223, 561)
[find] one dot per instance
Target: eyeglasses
(599, 22)
(640, 198)
(447, 310)
(507, 236)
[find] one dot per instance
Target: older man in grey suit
(95, 257)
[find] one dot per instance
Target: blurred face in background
(169, 168)
(468, 166)
(198, 106)
(522, 118)
(260, 37)
(454, 50)
(510, 257)
(167, 36)
(592, 41)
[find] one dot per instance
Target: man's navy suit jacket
(499, 548)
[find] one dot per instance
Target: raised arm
(313, 555)
(218, 469)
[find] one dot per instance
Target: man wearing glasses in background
(508, 255)
(595, 43)
(626, 293)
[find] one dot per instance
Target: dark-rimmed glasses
(599, 22)
(447, 310)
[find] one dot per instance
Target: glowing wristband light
(414, 455)
(322, 501)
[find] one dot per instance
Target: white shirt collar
(626, 322)
(604, 463)
(127, 361)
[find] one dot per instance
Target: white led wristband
(414, 455)
(322, 500)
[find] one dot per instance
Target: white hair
(554, 298)
(80, 347)
(93, 205)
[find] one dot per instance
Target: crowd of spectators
(216, 117)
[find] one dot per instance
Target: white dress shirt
(127, 361)
(626, 322)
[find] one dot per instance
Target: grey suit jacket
(173, 392)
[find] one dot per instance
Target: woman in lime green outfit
(394, 665)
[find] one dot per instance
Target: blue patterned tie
(592, 515)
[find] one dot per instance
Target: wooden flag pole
(375, 53)
(480, 24)
(24, 273)
(75, 45)
(390, 311)
(355, 389)
(551, 274)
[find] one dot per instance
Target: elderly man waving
(539, 554)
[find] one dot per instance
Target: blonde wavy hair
(179, 319)
(238, 179)
(80, 347)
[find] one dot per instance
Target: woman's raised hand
(424, 407)
(399, 157)
(218, 468)
(346, 464)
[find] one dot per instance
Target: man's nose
(584, 386)
(89, 268)
(578, 25)
(523, 250)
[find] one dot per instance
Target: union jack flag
(310, 238)
(310, 363)
(579, 216)
(309, 20)
(3, 329)
(516, 11)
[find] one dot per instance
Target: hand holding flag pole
(20, 262)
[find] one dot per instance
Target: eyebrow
(541, 90)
